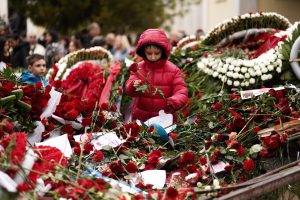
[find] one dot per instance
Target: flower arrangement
(63, 67)
(87, 81)
(244, 22)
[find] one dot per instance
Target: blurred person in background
(121, 48)
(98, 41)
(34, 46)
(110, 40)
(74, 45)
(94, 30)
(174, 37)
(54, 50)
(20, 51)
(6, 49)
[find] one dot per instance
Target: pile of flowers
(242, 52)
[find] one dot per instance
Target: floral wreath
(186, 42)
(63, 67)
(87, 81)
(243, 67)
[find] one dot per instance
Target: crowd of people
(16, 47)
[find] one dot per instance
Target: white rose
(243, 70)
(200, 65)
(252, 81)
(241, 76)
(270, 67)
(258, 73)
(229, 82)
(246, 83)
(224, 79)
(237, 69)
(278, 69)
(264, 70)
(270, 76)
(236, 83)
(235, 75)
(247, 75)
(229, 74)
(215, 74)
(231, 67)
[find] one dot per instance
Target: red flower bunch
(6, 88)
(71, 106)
(153, 159)
(131, 167)
(15, 145)
(116, 167)
(48, 158)
(98, 156)
(87, 81)
(186, 158)
(130, 131)
(37, 98)
(248, 165)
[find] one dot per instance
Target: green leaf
(142, 88)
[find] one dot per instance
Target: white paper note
(157, 178)
(60, 142)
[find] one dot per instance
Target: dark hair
(33, 58)
(141, 51)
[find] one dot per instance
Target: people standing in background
(94, 30)
(174, 37)
(6, 49)
(34, 46)
(20, 51)
(74, 45)
(54, 50)
(110, 40)
(121, 48)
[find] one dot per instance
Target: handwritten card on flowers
(103, 140)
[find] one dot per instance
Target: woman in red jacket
(166, 89)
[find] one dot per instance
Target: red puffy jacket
(161, 74)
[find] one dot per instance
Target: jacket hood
(156, 37)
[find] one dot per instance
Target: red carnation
(131, 167)
(133, 67)
(171, 193)
(72, 114)
(174, 136)
(264, 153)
(186, 158)
(67, 129)
(86, 121)
(116, 167)
(248, 165)
(202, 160)
(38, 85)
(228, 168)
(217, 106)
(98, 156)
(87, 148)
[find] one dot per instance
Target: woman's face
(153, 53)
(72, 47)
